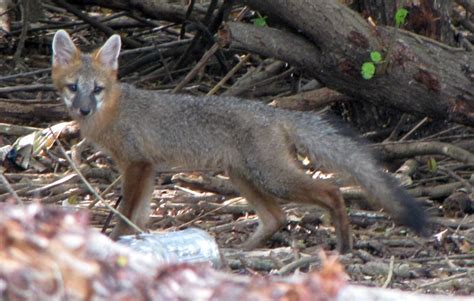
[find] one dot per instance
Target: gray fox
(254, 143)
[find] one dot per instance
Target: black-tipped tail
(412, 214)
(324, 144)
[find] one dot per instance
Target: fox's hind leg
(271, 216)
(309, 191)
(284, 180)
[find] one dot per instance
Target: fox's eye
(72, 87)
(98, 89)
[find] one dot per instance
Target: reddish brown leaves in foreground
(52, 254)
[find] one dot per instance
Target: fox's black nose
(85, 112)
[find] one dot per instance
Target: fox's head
(84, 80)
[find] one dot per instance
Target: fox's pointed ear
(108, 54)
(64, 50)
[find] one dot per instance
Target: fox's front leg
(137, 189)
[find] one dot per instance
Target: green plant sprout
(368, 69)
(432, 164)
(400, 17)
(260, 21)
(376, 57)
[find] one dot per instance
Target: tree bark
(424, 76)
(21, 111)
(156, 9)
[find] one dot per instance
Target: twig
(141, 50)
(459, 228)
(24, 74)
(439, 191)
(229, 74)
(398, 127)
(455, 176)
(190, 191)
(440, 133)
(95, 23)
(25, 15)
(85, 25)
(202, 62)
(390, 272)
(460, 275)
(110, 215)
(10, 189)
(16, 130)
(106, 190)
(407, 149)
(453, 223)
(25, 88)
(203, 31)
(240, 223)
(302, 262)
(390, 48)
(423, 121)
(230, 202)
(62, 196)
(60, 181)
(186, 18)
(439, 258)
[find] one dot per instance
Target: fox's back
(192, 131)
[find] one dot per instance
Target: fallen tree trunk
(423, 76)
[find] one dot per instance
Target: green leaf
(376, 57)
(368, 70)
(400, 16)
(72, 200)
(432, 164)
(260, 21)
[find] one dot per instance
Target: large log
(423, 76)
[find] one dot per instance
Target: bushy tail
(324, 145)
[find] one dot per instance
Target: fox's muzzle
(83, 105)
